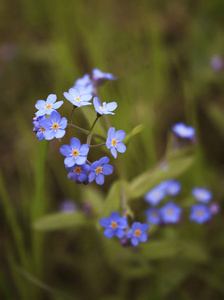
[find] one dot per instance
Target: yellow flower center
(114, 225)
(78, 99)
(42, 129)
(137, 232)
(78, 170)
(48, 106)
(98, 170)
(199, 213)
(114, 142)
(55, 126)
(75, 153)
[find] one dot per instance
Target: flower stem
(86, 131)
(70, 119)
(97, 117)
(98, 145)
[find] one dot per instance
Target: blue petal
(109, 233)
(72, 175)
(75, 143)
(66, 150)
(86, 168)
(58, 104)
(111, 133)
(40, 135)
(122, 223)
(74, 92)
(46, 124)
(68, 97)
(143, 237)
(121, 147)
(104, 160)
(100, 179)
(134, 241)
(59, 133)
(40, 104)
(120, 135)
(107, 170)
(94, 165)
(40, 113)
(80, 160)
(92, 176)
(120, 233)
(96, 103)
(48, 134)
(113, 151)
(84, 149)
(105, 222)
(69, 161)
(114, 216)
(108, 143)
(55, 117)
(111, 106)
(86, 97)
(144, 227)
(63, 123)
(82, 177)
(51, 99)
(130, 233)
(136, 225)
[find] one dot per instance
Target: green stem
(86, 131)
(97, 117)
(70, 119)
(98, 145)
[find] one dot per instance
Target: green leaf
(59, 221)
(134, 131)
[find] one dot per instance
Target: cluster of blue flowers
(48, 124)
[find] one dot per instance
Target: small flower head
(114, 225)
(78, 97)
(48, 106)
(155, 195)
(114, 141)
(216, 63)
(172, 187)
(38, 129)
(105, 109)
(184, 131)
(138, 233)
(68, 206)
(214, 208)
(54, 127)
(99, 77)
(75, 153)
(152, 215)
(79, 173)
(84, 84)
(170, 213)
(202, 194)
(99, 169)
(200, 213)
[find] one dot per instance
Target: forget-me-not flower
(200, 213)
(75, 153)
(104, 109)
(155, 195)
(202, 194)
(170, 213)
(78, 98)
(173, 187)
(114, 225)
(38, 129)
(84, 83)
(46, 107)
(99, 169)
(153, 216)
(99, 77)
(138, 233)
(114, 141)
(184, 131)
(54, 126)
(79, 173)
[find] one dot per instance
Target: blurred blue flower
(114, 225)
(114, 141)
(214, 208)
(99, 169)
(48, 106)
(170, 213)
(78, 97)
(155, 195)
(202, 194)
(172, 187)
(105, 108)
(99, 77)
(200, 213)
(68, 206)
(138, 233)
(216, 63)
(84, 84)
(54, 126)
(75, 153)
(37, 128)
(183, 131)
(152, 215)
(78, 173)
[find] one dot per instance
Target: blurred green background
(161, 53)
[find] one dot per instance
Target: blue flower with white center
(184, 131)
(114, 225)
(78, 97)
(138, 233)
(46, 107)
(202, 194)
(38, 129)
(170, 213)
(155, 195)
(99, 77)
(200, 213)
(79, 173)
(75, 153)
(106, 108)
(54, 126)
(172, 187)
(99, 169)
(114, 141)
(152, 215)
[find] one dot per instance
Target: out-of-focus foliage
(160, 51)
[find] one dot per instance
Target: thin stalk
(88, 141)
(97, 117)
(70, 119)
(86, 131)
(98, 145)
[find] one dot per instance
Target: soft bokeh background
(161, 53)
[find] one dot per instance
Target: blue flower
(99, 169)
(114, 140)
(155, 195)
(172, 187)
(48, 106)
(84, 83)
(170, 213)
(78, 97)
(105, 108)
(114, 225)
(138, 233)
(68, 206)
(99, 77)
(183, 131)
(78, 173)
(152, 215)
(202, 194)
(54, 127)
(38, 129)
(75, 153)
(200, 213)
(214, 208)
